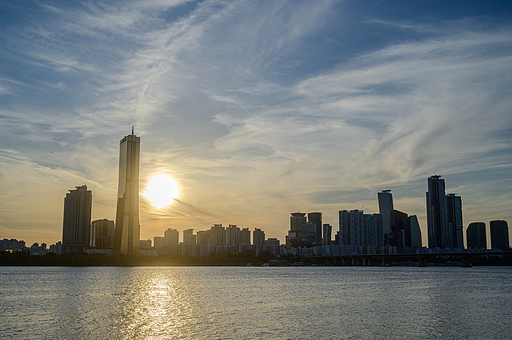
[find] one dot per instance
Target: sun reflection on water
(156, 305)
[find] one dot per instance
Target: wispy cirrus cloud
(255, 108)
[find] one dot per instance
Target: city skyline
(255, 111)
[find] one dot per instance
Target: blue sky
(256, 109)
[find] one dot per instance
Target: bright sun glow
(161, 191)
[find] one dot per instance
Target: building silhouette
(102, 234)
(499, 235)
(295, 233)
(438, 235)
(385, 209)
(351, 228)
(77, 220)
(475, 235)
(415, 232)
(316, 218)
(454, 220)
(327, 234)
(258, 239)
(400, 233)
(127, 229)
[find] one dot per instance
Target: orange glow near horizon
(161, 191)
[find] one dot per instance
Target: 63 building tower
(127, 232)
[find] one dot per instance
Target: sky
(255, 108)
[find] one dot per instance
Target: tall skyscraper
(316, 218)
(475, 235)
(127, 234)
(77, 220)
(415, 232)
(327, 234)
(499, 235)
(399, 229)
(454, 220)
(438, 235)
(295, 233)
(385, 208)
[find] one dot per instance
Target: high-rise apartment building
(438, 235)
(217, 236)
(373, 231)
(173, 235)
(499, 235)
(232, 235)
(475, 235)
(454, 220)
(258, 237)
(245, 236)
(189, 237)
(77, 220)
(127, 232)
(351, 228)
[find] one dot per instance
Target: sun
(161, 191)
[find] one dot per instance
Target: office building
(308, 234)
(454, 220)
(127, 229)
(499, 235)
(414, 232)
(316, 219)
(438, 234)
(476, 235)
(295, 233)
(399, 229)
(385, 208)
(327, 234)
(77, 220)
(102, 234)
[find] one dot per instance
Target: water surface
(255, 303)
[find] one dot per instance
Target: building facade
(77, 220)
(127, 229)
(438, 235)
(385, 199)
(102, 234)
(454, 220)
(476, 235)
(499, 235)
(316, 218)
